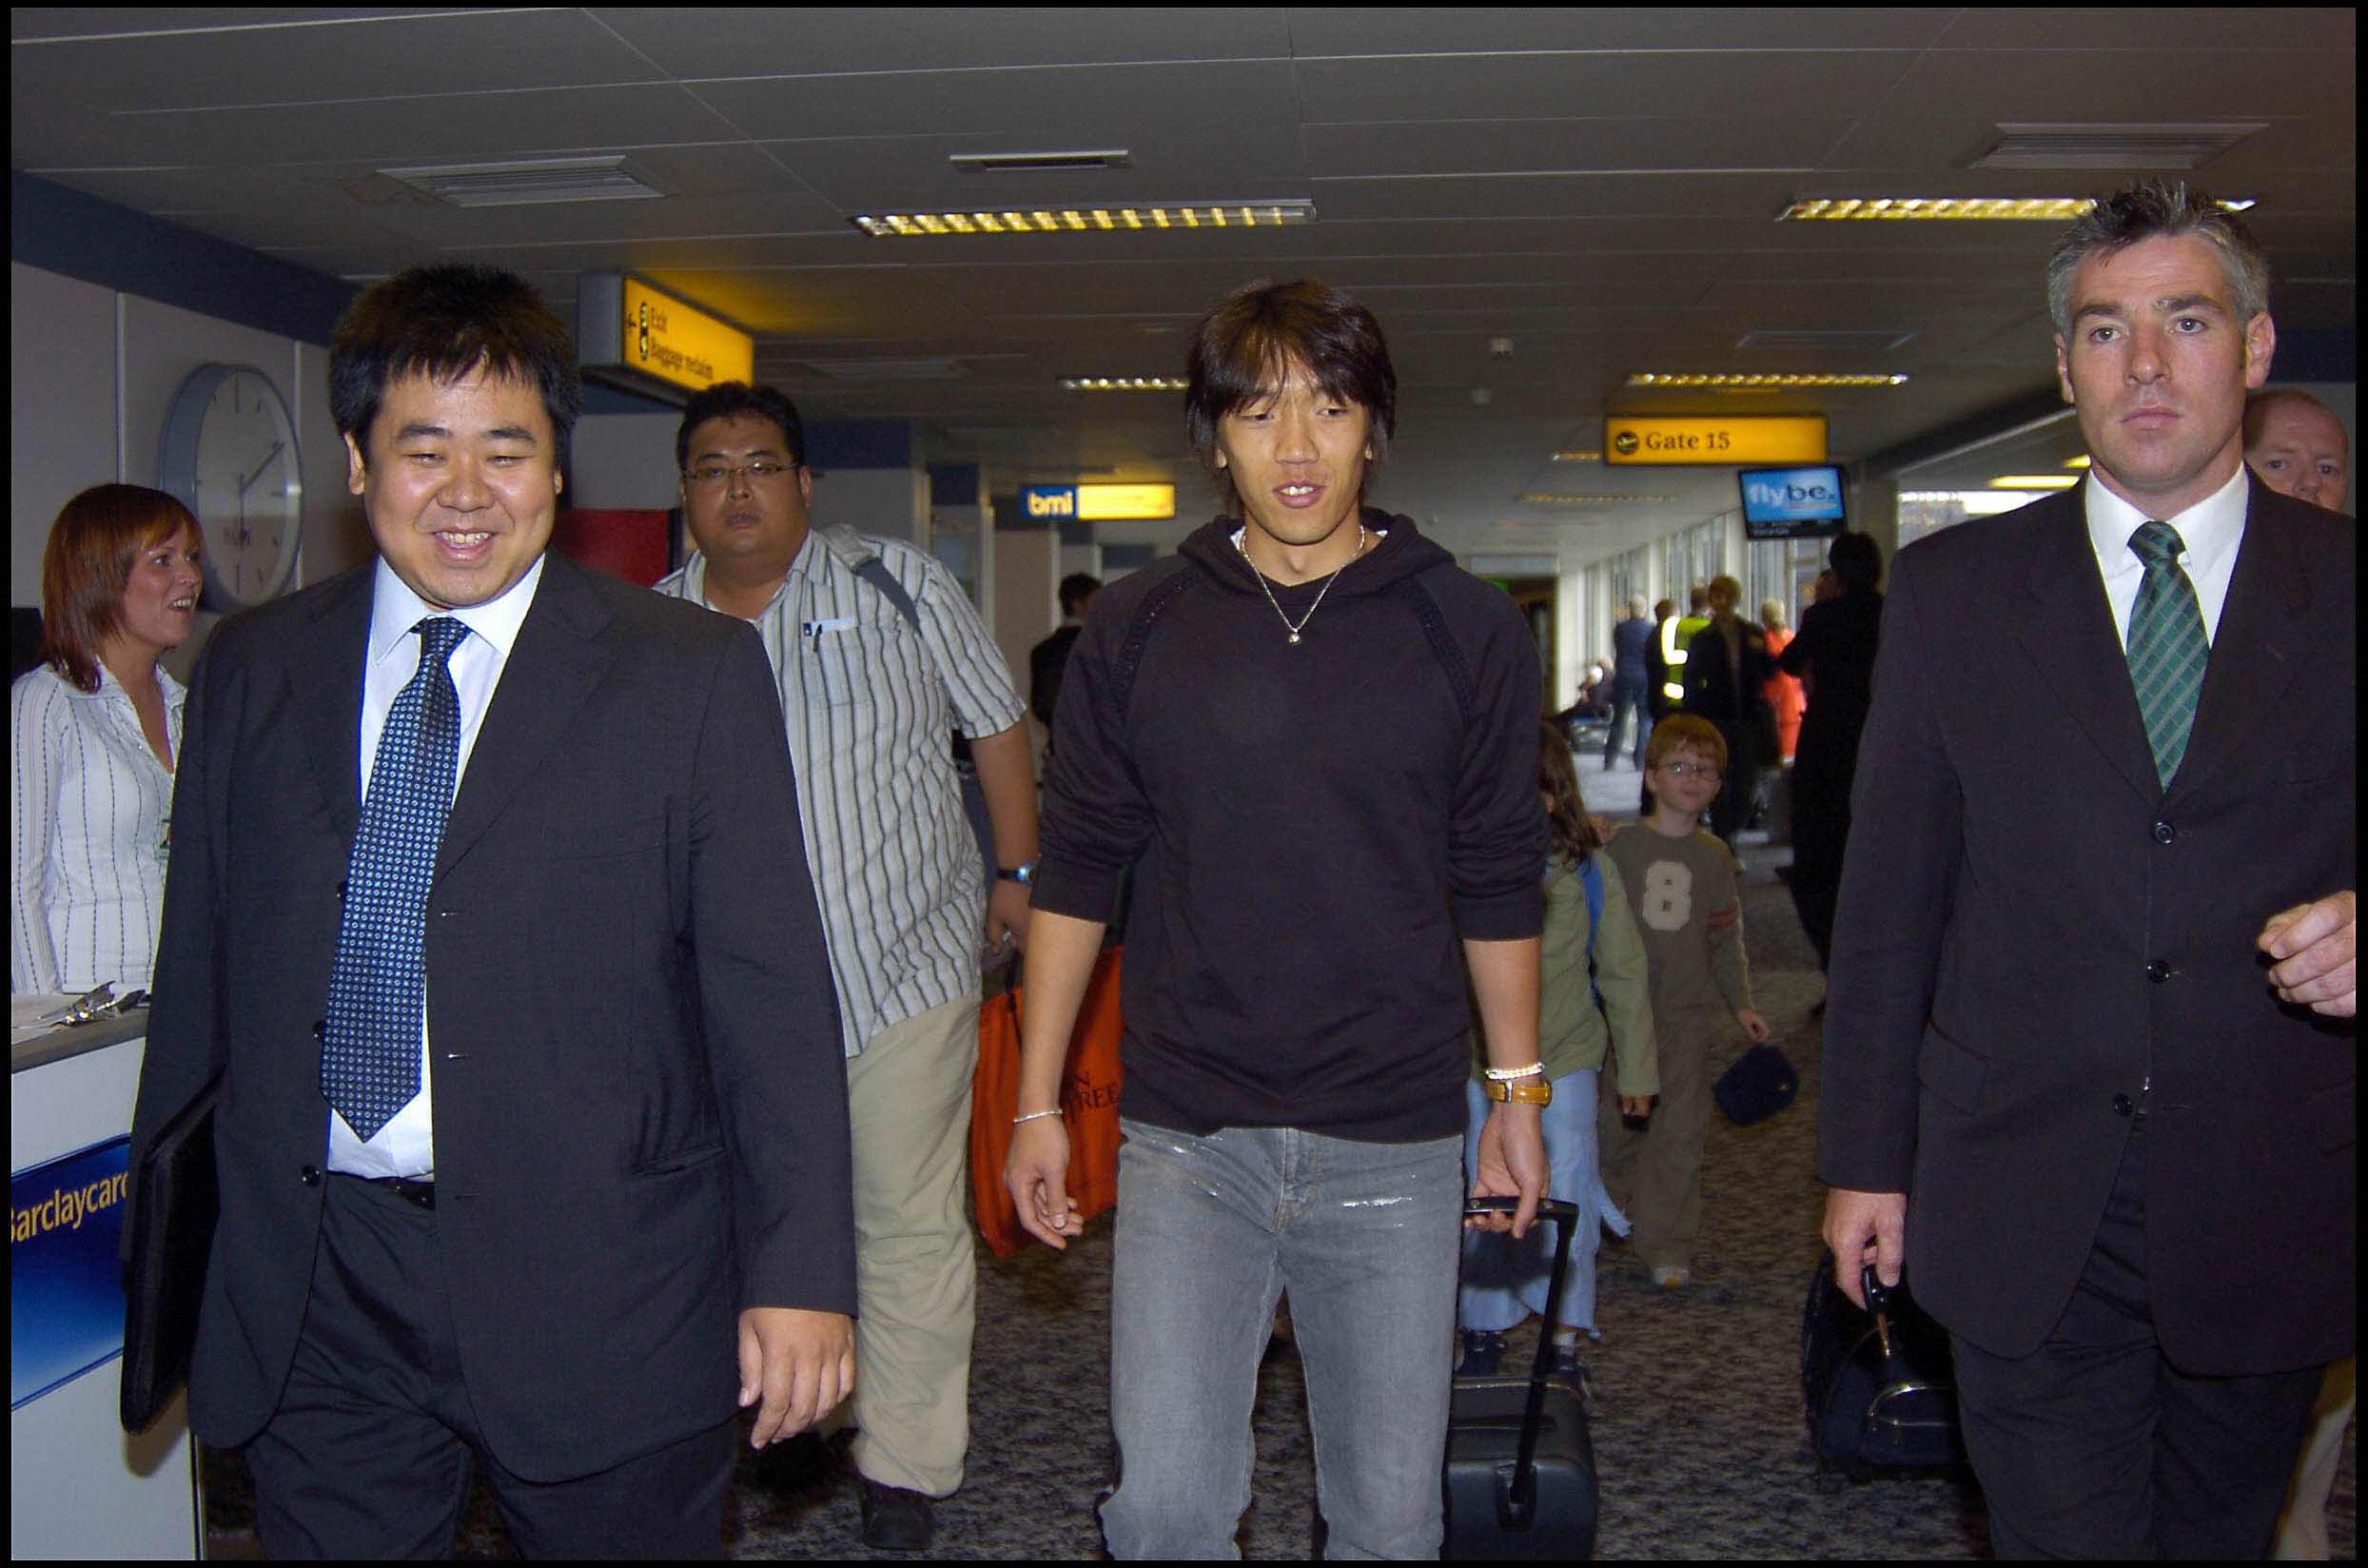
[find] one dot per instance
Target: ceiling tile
(1639, 85)
(696, 42)
(1455, 146)
(1084, 106)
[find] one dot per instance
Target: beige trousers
(916, 1268)
(1656, 1175)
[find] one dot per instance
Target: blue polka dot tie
(370, 1050)
(2167, 649)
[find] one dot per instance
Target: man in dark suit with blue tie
(489, 903)
(2088, 1057)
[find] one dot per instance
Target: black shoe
(894, 1517)
(1819, 1009)
(1483, 1353)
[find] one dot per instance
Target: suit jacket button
(2158, 971)
(2120, 1105)
(310, 1175)
(2164, 833)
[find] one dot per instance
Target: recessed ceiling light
(1578, 457)
(2034, 481)
(2056, 208)
(1546, 497)
(1003, 162)
(1088, 220)
(1760, 381)
(530, 181)
(1122, 384)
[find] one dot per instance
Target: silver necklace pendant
(1242, 545)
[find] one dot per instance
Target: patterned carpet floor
(1697, 1415)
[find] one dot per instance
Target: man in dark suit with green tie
(2088, 1055)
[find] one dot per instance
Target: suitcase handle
(1519, 1500)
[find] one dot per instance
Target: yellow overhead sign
(1126, 502)
(638, 335)
(682, 343)
(1714, 439)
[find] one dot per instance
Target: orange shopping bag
(1089, 1104)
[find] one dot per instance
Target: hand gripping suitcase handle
(1521, 1499)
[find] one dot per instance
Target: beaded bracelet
(1500, 1075)
(1033, 1116)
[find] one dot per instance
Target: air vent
(2112, 146)
(1837, 341)
(1012, 163)
(888, 370)
(529, 183)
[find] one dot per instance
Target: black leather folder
(174, 1203)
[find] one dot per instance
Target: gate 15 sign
(1713, 440)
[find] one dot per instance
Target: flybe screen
(1791, 502)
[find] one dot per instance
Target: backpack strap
(1155, 604)
(865, 563)
(1442, 641)
(1591, 881)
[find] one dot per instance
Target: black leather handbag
(1880, 1383)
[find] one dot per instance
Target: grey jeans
(1363, 1239)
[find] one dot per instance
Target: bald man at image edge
(2089, 1055)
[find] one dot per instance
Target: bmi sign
(1713, 440)
(1098, 502)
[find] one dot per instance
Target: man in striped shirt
(878, 659)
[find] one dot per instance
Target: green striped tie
(2167, 648)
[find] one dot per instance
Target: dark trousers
(370, 1453)
(1628, 698)
(2096, 1445)
(1737, 789)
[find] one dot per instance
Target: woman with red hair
(93, 735)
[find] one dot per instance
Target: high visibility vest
(1677, 632)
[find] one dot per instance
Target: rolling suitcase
(1520, 1476)
(1880, 1385)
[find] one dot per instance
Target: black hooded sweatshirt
(1314, 826)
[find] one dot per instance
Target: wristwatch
(1520, 1092)
(1024, 873)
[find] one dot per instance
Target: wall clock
(229, 454)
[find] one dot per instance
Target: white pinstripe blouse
(870, 707)
(87, 838)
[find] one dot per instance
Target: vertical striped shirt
(871, 705)
(87, 838)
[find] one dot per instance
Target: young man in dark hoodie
(1316, 738)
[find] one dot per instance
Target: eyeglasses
(1690, 769)
(710, 475)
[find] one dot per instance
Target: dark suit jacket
(2031, 925)
(640, 1110)
(1712, 691)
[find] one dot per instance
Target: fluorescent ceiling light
(2034, 481)
(1543, 498)
(2081, 462)
(1769, 381)
(2058, 208)
(1578, 457)
(1974, 503)
(1122, 384)
(1085, 220)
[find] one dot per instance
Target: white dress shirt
(2211, 529)
(406, 1145)
(86, 833)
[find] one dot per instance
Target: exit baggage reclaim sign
(1717, 441)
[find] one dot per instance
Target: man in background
(2298, 447)
(1631, 643)
(1048, 658)
(876, 658)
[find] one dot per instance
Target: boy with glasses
(1681, 883)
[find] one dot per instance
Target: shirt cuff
(1502, 917)
(1081, 892)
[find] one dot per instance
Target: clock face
(230, 455)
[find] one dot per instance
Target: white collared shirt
(406, 1145)
(86, 839)
(2211, 529)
